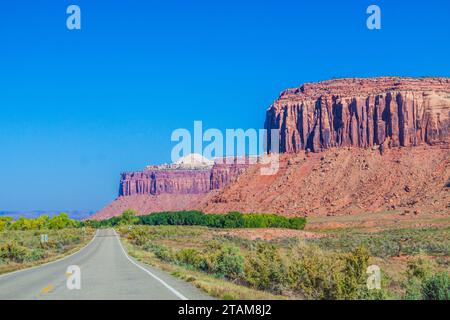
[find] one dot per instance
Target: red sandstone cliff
(169, 189)
(362, 113)
(413, 114)
(182, 181)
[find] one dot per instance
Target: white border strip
(178, 294)
(51, 262)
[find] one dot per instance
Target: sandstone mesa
(344, 122)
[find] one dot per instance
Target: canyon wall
(179, 181)
(362, 113)
(165, 182)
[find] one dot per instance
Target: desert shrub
(36, 254)
(264, 268)
(229, 262)
(422, 281)
(4, 223)
(314, 274)
(138, 235)
(392, 242)
(354, 273)
(216, 258)
(18, 247)
(420, 267)
(437, 287)
(413, 289)
(163, 253)
(13, 252)
(190, 257)
(318, 274)
(222, 260)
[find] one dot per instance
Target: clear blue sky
(79, 107)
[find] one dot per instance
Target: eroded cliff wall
(179, 181)
(362, 113)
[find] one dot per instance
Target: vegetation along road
(105, 272)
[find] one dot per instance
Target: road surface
(106, 272)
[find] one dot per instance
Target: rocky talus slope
(344, 181)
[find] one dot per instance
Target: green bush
(314, 273)
(5, 222)
(272, 221)
(13, 252)
(128, 217)
(437, 287)
(420, 267)
(423, 283)
(163, 253)
(139, 236)
(413, 289)
(229, 262)
(264, 268)
(354, 273)
(173, 218)
(36, 254)
(57, 222)
(190, 257)
(318, 274)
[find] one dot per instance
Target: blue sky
(79, 107)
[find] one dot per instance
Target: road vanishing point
(107, 273)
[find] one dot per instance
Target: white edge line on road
(178, 294)
(51, 262)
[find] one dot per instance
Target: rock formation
(178, 186)
(173, 179)
(362, 113)
(374, 115)
(165, 181)
(343, 181)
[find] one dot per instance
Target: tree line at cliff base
(198, 218)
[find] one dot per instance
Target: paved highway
(106, 272)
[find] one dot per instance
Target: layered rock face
(171, 187)
(165, 182)
(222, 174)
(362, 113)
(167, 179)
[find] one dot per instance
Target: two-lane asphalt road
(107, 272)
